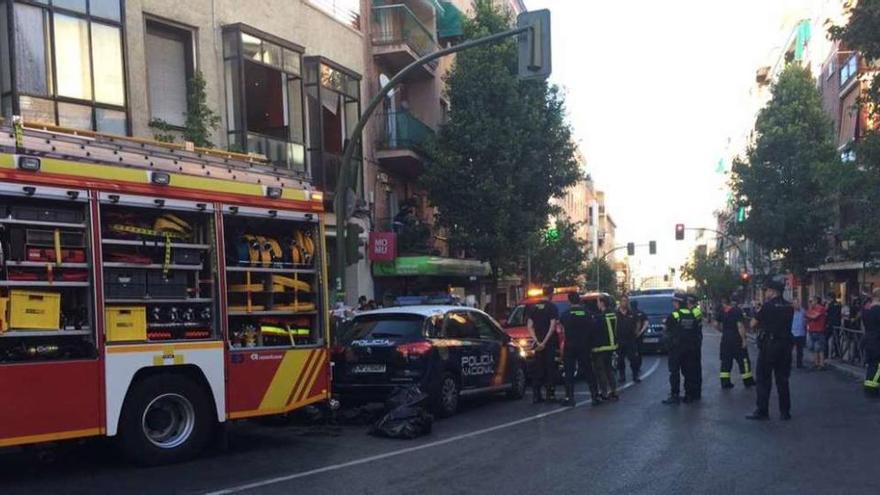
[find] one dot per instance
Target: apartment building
(398, 33)
(575, 204)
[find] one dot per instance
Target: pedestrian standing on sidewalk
(799, 332)
(871, 320)
(774, 351)
(630, 325)
(541, 324)
(604, 345)
(833, 316)
(734, 344)
(577, 323)
(816, 336)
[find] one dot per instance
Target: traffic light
(353, 233)
(744, 278)
(630, 248)
(534, 45)
(652, 247)
(741, 214)
(679, 232)
(552, 235)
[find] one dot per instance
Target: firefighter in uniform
(871, 319)
(541, 324)
(577, 325)
(774, 351)
(734, 345)
(604, 344)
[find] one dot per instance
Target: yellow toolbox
(34, 310)
(125, 323)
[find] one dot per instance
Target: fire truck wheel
(166, 418)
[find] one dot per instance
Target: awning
(449, 21)
(431, 266)
(838, 266)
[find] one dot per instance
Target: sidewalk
(848, 369)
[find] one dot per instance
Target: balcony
(401, 141)
(400, 38)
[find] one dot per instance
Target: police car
(449, 351)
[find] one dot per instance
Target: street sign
(383, 246)
(534, 45)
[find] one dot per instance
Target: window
(264, 96)
(169, 68)
(69, 64)
(333, 97)
(485, 328)
(460, 326)
(848, 70)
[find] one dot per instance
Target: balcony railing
(414, 237)
(402, 130)
(396, 24)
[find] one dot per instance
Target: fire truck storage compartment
(46, 301)
(273, 286)
(126, 323)
(164, 250)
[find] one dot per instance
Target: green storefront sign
(431, 266)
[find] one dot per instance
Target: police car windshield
(654, 305)
(400, 326)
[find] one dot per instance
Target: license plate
(651, 340)
(368, 368)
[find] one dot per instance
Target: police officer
(577, 324)
(673, 350)
(684, 339)
(604, 344)
(541, 324)
(697, 359)
(734, 345)
(774, 351)
(871, 320)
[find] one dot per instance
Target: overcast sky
(654, 89)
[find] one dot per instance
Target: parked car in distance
(449, 351)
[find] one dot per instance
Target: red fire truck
(152, 293)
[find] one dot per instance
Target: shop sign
(383, 246)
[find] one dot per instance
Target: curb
(847, 369)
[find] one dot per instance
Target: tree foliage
(862, 176)
(504, 153)
(599, 270)
(559, 260)
(201, 120)
(712, 275)
(786, 181)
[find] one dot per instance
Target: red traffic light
(679, 232)
(744, 277)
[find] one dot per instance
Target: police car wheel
(518, 384)
(166, 418)
(446, 400)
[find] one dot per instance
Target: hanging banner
(383, 246)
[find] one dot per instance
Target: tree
(712, 275)
(862, 175)
(560, 257)
(504, 153)
(599, 270)
(200, 119)
(787, 178)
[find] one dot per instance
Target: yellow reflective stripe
(610, 331)
(747, 375)
(605, 348)
(877, 375)
(872, 384)
(698, 312)
(726, 374)
(746, 367)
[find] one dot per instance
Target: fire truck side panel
(45, 402)
(123, 363)
(276, 381)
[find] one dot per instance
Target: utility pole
(534, 63)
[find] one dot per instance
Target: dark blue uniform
(577, 323)
(871, 318)
(774, 354)
(544, 372)
(732, 348)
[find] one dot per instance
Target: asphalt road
(634, 446)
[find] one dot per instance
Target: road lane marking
(395, 453)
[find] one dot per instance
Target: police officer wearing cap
(775, 342)
(683, 339)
